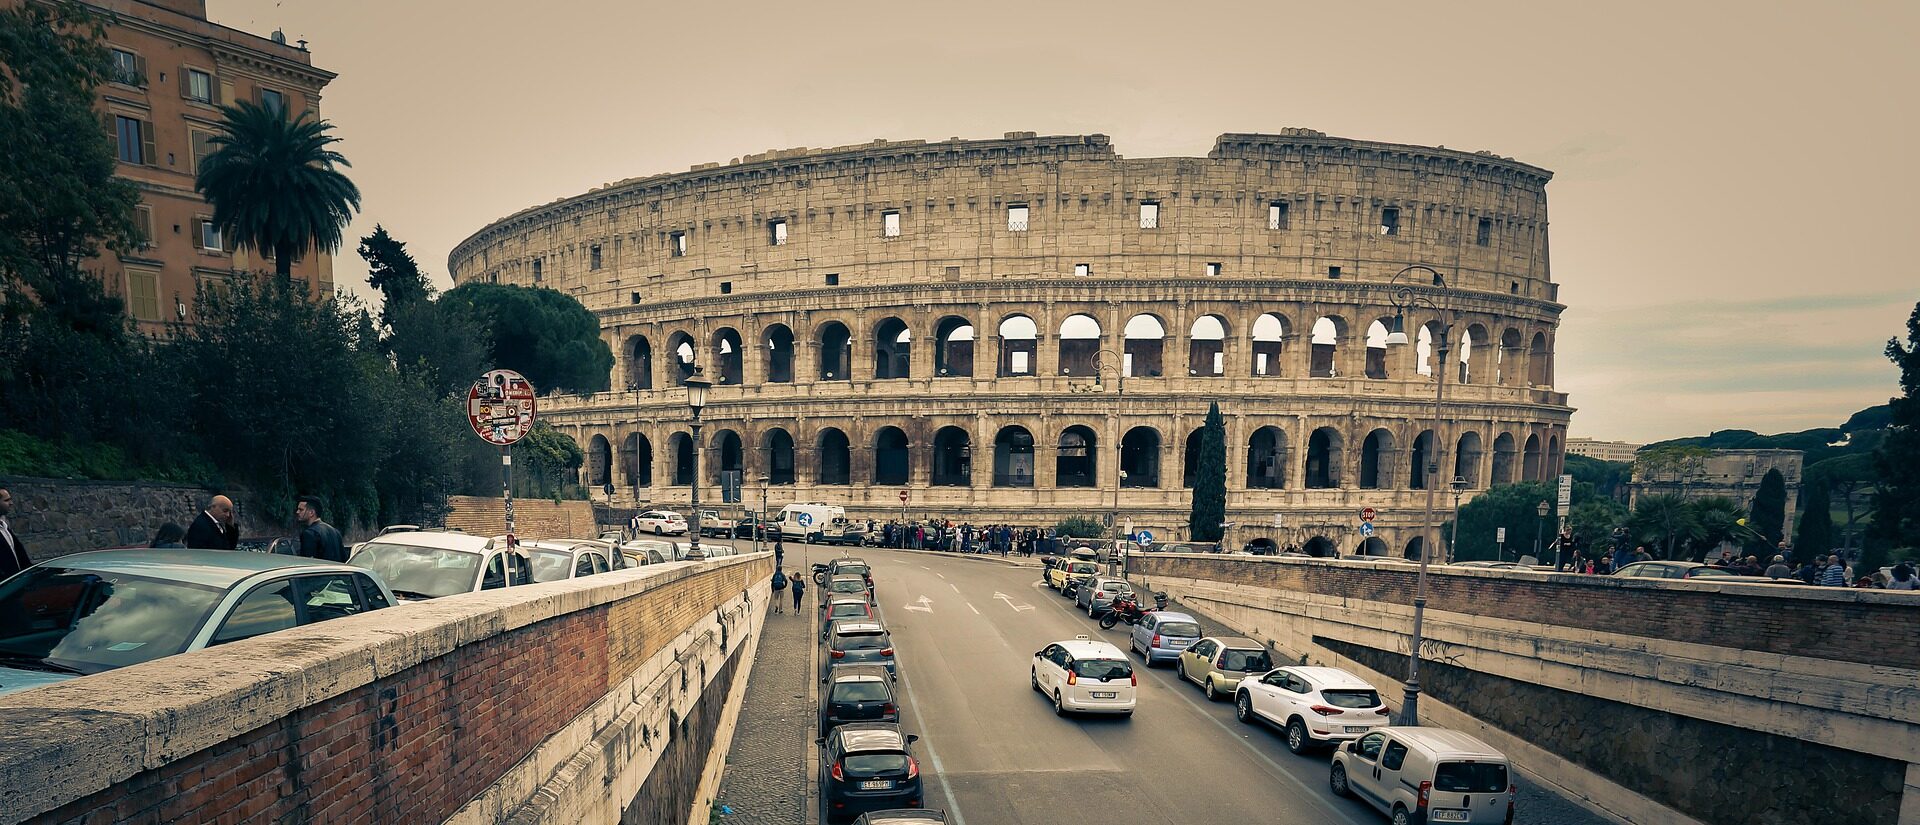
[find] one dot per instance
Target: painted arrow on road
(1009, 600)
(925, 605)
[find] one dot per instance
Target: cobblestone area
(766, 780)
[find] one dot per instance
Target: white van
(819, 523)
(1426, 775)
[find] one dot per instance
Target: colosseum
(1024, 329)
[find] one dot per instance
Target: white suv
(1082, 675)
(662, 523)
(1316, 705)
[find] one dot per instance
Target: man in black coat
(214, 529)
(13, 554)
(318, 539)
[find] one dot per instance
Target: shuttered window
(143, 294)
(202, 147)
(133, 139)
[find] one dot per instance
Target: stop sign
(903, 496)
(1367, 513)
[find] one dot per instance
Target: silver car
(1096, 596)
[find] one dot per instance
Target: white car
(1316, 705)
(1084, 676)
(662, 523)
(431, 564)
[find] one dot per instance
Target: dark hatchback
(868, 767)
(903, 816)
(857, 642)
(857, 693)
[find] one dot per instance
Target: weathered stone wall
(534, 518)
(55, 517)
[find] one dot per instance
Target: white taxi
(1081, 675)
(661, 523)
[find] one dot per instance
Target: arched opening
(1145, 343)
(1190, 458)
(1376, 460)
(1373, 546)
(1267, 459)
(1207, 346)
(1539, 362)
(1509, 371)
(1013, 457)
(834, 458)
(778, 444)
(1474, 365)
(1553, 464)
(1413, 548)
(1377, 350)
(952, 458)
(1422, 465)
(1503, 456)
(685, 356)
(892, 350)
(1530, 461)
(1079, 345)
(1019, 345)
(1320, 547)
(953, 352)
(1140, 458)
(1262, 546)
(890, 461)
(1327, 332)
(1323, 459)
(726, 447)
(1466, 459)
(639, 363)
(836, 352)
(726, 348)
(599, 461)
(639, 460)
(779, 343)
(1423, 346)
(682, 459)
(1269, 339)
(1074, 463)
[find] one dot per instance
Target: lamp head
(697, 391)
(1458, 483)
(1541, 509)
(1397, 335)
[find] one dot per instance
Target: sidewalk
(768, 777)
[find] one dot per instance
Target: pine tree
(1896, 504)
(392, 270)
(1769, 514)
(1210, 480)
(1815, 533)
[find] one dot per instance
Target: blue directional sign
(1366, 528)
(1144, 538)
(805, 519)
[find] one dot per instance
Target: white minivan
(1420, 775)
(1082, 675)
(818, 523)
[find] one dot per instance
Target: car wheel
(1059, 705)
(1243, 708)
(659, 531)
(1180, 669)
(1297, 739)
(1401, 817)
(1212, 695)
(1034, 677)
(1337, 780)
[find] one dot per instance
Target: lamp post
(1111, 361)
(635, 456)
(759, 522)
(1539, 520)
(696, 401)
(1404, 299)
(1459, 485)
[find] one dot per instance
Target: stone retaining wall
(534, 518)
(55, 517)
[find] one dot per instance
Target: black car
(857, 693)
(850, 567)
(868, 767)
(903, 816)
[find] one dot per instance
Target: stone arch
(1267, 459)
(1503, 458)
(1539, 361)
(777, 446)
(1414, 546)
(1320, 547)
(1207, 346)
(1076, 458)
(1019, 346)
(639, 460)
(1530, 469)
(730, 355)
(1419, 456)
(1323, 459)
(1328, 331)
(1190, 457)
(1080, 345)
(729, 454)
(1140, 458)
(892, 461)
(639, 353)
(682, 445)
(836, 352)
(892, 350)
(953, 347)
(1145, 342)
(1466, 459)
(1373, 546)
(778, 342)
(1377, 350)
(1553, 459)
(952, 458)
(1476, 355)
(1376, 460)
(1013, 457)
(599, 461)
(1509, 370)
(833, 458)
(684, 355)
(1269, 342)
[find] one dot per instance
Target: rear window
(850, 570)
(1355, 699)
(1113, 587)
(1245, 660)
(1178, 629)
(860, 692)
(1470, 777)
(865, 641)
(1102, 668)
(848, 586)
(1081, 567)
(870, 764)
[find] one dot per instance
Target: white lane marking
(925, 605)
(941, 575)
(1017, 608)
(939, 771)
(956, 588)
(976, 610)
(924, 567)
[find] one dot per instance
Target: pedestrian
(169, 537)
(779, 584)
(318, 539)
(214, 528)
(13, 554)
(799, 587)
(1836, 573)
(1903, 578)
(779, 555)
(1779, 569)
(1640, 554)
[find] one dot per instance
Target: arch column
(921, 326)
(1298, 432)
(1296, 355)
(861, 347)
(753, 355)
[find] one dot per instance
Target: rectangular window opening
(593, 255)
(1484, 235)
(143, 294)
(1333, 273)
(1017, 218)
(1390, 221)
(537, 271)
(199, 86)
(726, 287)
(1149, 214)
(202, 146)
(128, 68)
(776, 233)
(1082, 270)
(144, 216)
(890, 224)
(635, 298)
(1213, 270)
(1515, 289)
(833, 279)
(1278, 216)
(210, 239)
(678, 243)
(273, 101)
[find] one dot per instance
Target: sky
(1727, 219)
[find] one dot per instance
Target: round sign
(1143, 538)
(805, 519)
(903, 496)
(500, 407)
(1367, 513)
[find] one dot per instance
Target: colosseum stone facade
(1007, 329)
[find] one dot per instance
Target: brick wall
(398, 716)
(534, 519)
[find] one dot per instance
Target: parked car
(1490, 565)
(1674, 570)
(847, 585)
(707, 552)
(1315, 705)
(429, 565)
(1096, 596)
(857, 642)
(857, 693)
(1084, 675)
(1419, 775)
(1061, 572)
(714, 524)
(93, 612)
(1163, 635)
(903, 816)
(552, 561)
(869, 766)
(1218, 663)
(747, 527)
(662, 523)
(649, 551)
(843, 607)
(847, 566)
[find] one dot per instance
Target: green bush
(1081, 527)
(24, 455)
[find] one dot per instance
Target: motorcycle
(819, 573)
(1126, 608)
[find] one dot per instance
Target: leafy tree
(541, 333)
(1769, 517)
(1815, 533)
(1606, 478)
(1853, 476)
(1896, 504)
(545, 463)
(442, 342)
(273, 183)
(1667, 522)
(1593, 520)
(1210, 480)
(1682, 461)
(392, 270)
(1081, 527)
(1720, 520)
(1512, 506)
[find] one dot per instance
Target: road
(994, 753)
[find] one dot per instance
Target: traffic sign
(500, 407)
(1566, 492)
(1144, 538)
(903, 496)
(1500, 535)
(1367, 513)
(1366, 528)
(805, 519)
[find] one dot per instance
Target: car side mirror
(822, 741)
(912, 738)
(1039, 653)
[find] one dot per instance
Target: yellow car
(1058, 575)
(1218, 663)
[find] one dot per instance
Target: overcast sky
(1727, 208)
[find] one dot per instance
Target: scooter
(1127, 609)
(819, 573)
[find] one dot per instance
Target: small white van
(1420, 775)
(818, 522)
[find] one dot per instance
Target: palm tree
(273, 183)
(1664, 520)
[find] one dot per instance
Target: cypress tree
(1769, 514)
(1815, 533)
(1210, 480)
(1896, 502)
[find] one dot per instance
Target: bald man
(214, 529)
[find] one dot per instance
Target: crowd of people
(1000, 539)
(1828, 570)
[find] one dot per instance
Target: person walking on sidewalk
(779, 584)
(799, 585)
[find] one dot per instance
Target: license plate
(1449, 816)
(1108, 694)
(1356, 728)
(876, 785)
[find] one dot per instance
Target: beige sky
(1728, 211)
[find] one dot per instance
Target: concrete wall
(590, 700)
(534, 518)
(60, 516)
(1660, 702)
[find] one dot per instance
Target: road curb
(812, 776)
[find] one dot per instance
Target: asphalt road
(993, 753)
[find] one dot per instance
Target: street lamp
(1110, 361)
(696, 401)
(1459, 485)
(760, 522)
(1539, 520)
(1404, 299)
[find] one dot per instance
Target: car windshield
(1351, 698)
(426, 571)
(859, 692)
(1470, 777)
(1703, 572)
(1179, 629)
(864, 641)
(90, 621)
(1102, 668)
(871, 764)
(551, 565)
(1245, 661)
